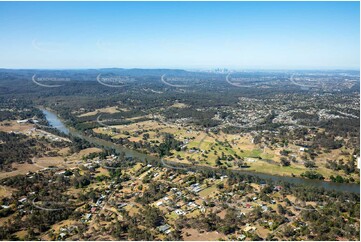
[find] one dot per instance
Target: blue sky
(238, 35)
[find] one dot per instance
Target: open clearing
(14, 126)
(194, 235)
(205, 147)
(6, 191)
(102, 110)
(46, 162)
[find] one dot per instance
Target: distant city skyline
(182, 35)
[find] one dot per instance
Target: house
(62, 235)
(195, 187)
(23, 200)
(87, 216)
(179, 212)
(100, 200)
(121, 205)
(68, 229)
(202, 209)
(191, 206)
(223, 177)
(164, 228)
(264, 208)
(63, 229)
(22, 121)
(242, 237)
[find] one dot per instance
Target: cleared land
(205, 147)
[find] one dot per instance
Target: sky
(189, 35)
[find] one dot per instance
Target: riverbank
(349, 187)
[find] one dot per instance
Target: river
(55, 122)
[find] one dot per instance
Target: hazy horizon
(186, 68)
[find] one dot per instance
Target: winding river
(55, 122)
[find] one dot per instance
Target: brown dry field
(102, 110)
(63, 223)
(85, 152)
(44, 162)
(21, 169)
(7, 219)
(40, 163)
(206, 236)
(5, 191)
(21, 234)
(179, 105)
(15, 127)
